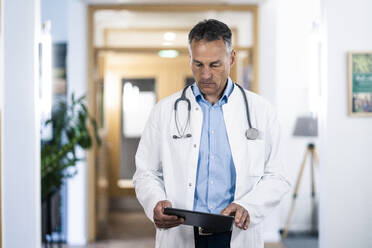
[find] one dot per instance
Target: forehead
(204, 50)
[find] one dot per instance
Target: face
(210, 65)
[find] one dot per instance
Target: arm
(148, 178)
(272, 186)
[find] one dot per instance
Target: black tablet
(210, 222)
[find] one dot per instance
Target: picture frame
(360, 83)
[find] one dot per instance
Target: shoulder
(168, 101)
(165, 106)
(258, 101)
(259, 106)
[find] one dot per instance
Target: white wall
(77, 60)
(69, 24)
(267, 87)
(286, 77)
(56, 11)
(346, 201)
(294, 29)
(20, 132)
(268, 16)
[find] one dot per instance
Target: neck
(215, 98)
(212, 99)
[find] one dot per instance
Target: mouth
(207, 83)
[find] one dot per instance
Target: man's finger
(247, 222)
(229, 210)
(168, 217)
(163, 218)
(238, 215)
(242, 219)
(166, 204)
(169, 224)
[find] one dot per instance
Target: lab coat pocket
(256, 154)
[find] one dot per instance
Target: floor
(301, 241)
(134, 230)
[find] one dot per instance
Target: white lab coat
(166, 167)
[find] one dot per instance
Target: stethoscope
(251, 133)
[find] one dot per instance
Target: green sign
(361, 83)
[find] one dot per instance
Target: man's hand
(165, 221)
(241, 215)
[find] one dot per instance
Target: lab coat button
(196, 109)
(190, 184)
(194, 145)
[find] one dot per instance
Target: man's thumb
(226, 211)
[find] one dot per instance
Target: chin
(208, 91)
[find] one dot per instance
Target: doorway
(143, 50)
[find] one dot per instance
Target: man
(198, 156)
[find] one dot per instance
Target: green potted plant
(70, 130)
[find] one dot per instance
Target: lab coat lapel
(196, 122)
(236, 124)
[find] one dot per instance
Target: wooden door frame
(92, 63)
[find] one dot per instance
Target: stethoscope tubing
(246, 105)
(251, 133)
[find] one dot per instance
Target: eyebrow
(213, 62)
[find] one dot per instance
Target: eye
(215, 65)
(199, 64)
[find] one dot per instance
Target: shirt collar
(225, 96)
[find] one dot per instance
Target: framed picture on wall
(360, 83)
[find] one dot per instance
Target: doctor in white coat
(205, 154)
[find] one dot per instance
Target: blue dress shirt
(216, 176)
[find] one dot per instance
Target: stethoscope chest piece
(252, 133)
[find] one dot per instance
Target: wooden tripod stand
(313, 156)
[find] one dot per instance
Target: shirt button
(211, 182)
(212, 157)
(212, 131)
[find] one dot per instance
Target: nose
(206, 72)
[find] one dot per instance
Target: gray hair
(211, 30)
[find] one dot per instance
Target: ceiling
(173, 1)
(133, 26)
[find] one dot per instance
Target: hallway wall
(286, 79)
(79, 200)
(69, 25)
(20, 136)
(346, 202)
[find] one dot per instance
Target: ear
(232, 58)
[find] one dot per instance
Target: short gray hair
(211, 30)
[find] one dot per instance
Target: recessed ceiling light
(168, 53)
(169, 36)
